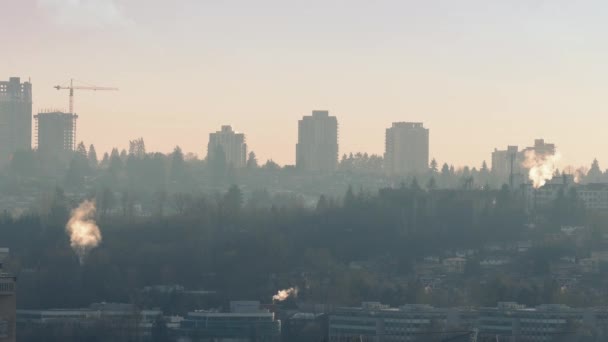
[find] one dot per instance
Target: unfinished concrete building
(15, 118)
(55, 133)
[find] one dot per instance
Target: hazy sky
(480, 74)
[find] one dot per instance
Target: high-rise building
(55, 133)
(407, 148)
(231, 143)
(509, 167)
(317, 147)
(15, 118)
(8, 302)
(506, 165)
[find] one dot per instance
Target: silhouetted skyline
(480, 75)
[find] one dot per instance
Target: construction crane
(71, 88)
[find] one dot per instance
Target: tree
(431, 184)
(322, 203)
(115, 162)
(105, 160)
(78, 169)
(233, 199)
(178, 165)
(81, 149)
(270, 165)
(252, 161)
(414, 184)
(137, 148)
(106, 201)
(92, 156)
(595, 173)
(349, 197)
(484, 167)
(434, 168)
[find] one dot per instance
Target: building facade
(508, 321)
(246, 321)
(406, 148)
(506, 165)
(114, 319)
(378, 322)
(8, 302)
(55, 133)
(509, 165)
(15, 118)
(317, 147)
(548, 322)
(231, 143)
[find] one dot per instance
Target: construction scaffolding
(55, 132)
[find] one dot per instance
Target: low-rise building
(454, 265)
(374, 321)
(118, 317)
(8, 301)
(246, 321)
(547, 322)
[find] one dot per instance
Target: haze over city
(303, 171)
(479, 74)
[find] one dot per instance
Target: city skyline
(418, 158)
(480, 75)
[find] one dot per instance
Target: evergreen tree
(595, 173)
(434, 166)
(105, 160)
(81, 149)
(349, 197)
(431, 184)
(92, 156)
(233, 199)
(115, 164)
(252, 161)
(178, 165)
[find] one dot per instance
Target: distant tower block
(317, 147)
(407, 148)
(15, 118)
(55, 133)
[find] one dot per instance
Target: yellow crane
(72, 87)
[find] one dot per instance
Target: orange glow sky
(480, 74)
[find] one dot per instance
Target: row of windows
(7, 287)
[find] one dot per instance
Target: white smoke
(284, 294)
(84, 232)
(542, 167)
(88, 14)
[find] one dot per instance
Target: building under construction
(55, 132)
(15, 118)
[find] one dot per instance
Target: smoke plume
(542, 167)
(284, 294)
(84, 232)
